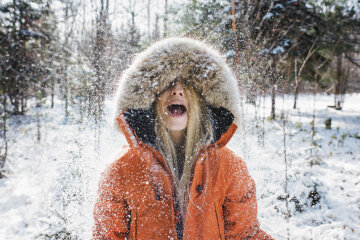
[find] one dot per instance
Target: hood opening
(142, 121)
(221, 119)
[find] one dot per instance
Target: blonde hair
(198, 133)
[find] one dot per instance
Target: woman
(178, 106)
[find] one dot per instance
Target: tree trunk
(273, 94)
(16, 103)
(166, 19)
(66, 94)
(237, 54)
(297, 83)
(38, 125)
(64, 70)
(156, 33)
(296, 92)
(314, 111)
(101, 63)
(148, 20)
(263, 121)
(340, 85)
(286, 190)
(4, 155)
(52, 92)
(22, 102)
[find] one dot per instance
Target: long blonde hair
(198, 133)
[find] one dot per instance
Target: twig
(237, 58)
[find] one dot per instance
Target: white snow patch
(268, 16)
(277, 50)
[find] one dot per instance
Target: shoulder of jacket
(128, 157)
(123, 158)
(130, 161)
(231, 160)
(229, 155)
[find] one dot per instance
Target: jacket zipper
(217, 219)
(173, 184)
(136, 219)
(173, 190)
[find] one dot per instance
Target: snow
(287, 42)
(29, 33)
(263, 52)
(51, 185)
(277, 50)
(278, 5)
(332, 167)
(268, 16)
(230, 54)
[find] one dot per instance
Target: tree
(258, 36)
(24, 31)
(101, 59)
(339, 37)
(26, 35)
(333, 34)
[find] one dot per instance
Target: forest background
(63, 59)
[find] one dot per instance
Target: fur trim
(193, 61)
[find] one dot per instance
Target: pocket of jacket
(218, 219)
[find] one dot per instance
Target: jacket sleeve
(240, 205)
(111, 212)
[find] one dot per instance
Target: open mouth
(176, 109)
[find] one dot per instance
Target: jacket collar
(138, 126)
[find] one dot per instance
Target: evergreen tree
(25, 35)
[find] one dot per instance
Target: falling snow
(51, 186)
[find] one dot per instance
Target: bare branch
(353, 61)
(310, 53)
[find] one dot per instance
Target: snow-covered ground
(51, 185)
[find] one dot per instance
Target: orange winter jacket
(137, 196)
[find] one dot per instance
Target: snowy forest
(297, 64)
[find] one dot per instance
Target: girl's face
(174, 108)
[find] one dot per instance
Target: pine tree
(25, 34)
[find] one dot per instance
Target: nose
(177, 90)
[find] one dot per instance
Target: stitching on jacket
(217, 220)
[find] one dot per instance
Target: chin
(177, 124)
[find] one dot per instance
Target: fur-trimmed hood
(195, 62)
